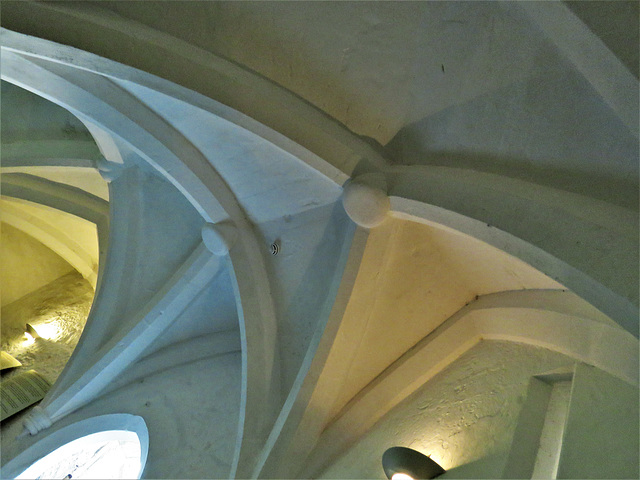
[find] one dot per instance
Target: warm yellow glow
(28, 339)
(401, 476)
(439, 450)
(47, 331)
(440, 460)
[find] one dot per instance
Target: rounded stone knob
(366, 205)
(219, 237)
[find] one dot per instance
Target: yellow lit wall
(26, 264)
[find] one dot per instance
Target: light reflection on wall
(56, 315)
(28, 339)
(50, 329)
(463, 418)
(438, 446)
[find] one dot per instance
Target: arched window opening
(110, 454)
(53, 224)
(105, 447)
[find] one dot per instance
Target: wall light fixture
(402, 463)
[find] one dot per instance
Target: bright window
(111, 446)
(104, 455)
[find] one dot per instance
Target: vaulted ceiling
(498, 142)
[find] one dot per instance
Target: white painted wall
(601, 435)
(304, 275)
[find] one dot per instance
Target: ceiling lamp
(401, 463)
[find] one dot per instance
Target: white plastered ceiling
(412, 278)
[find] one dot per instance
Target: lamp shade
(403, 460)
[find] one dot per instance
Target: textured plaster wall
(26, 264)
(64, 303)
(464, 418)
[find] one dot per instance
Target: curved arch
(54, 238)
(56, 195)
(69, 433)
(67, 199)
(336, 154)
(101, 102)
(574, 219)
(59, 153)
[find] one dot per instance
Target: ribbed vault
(273, 287)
